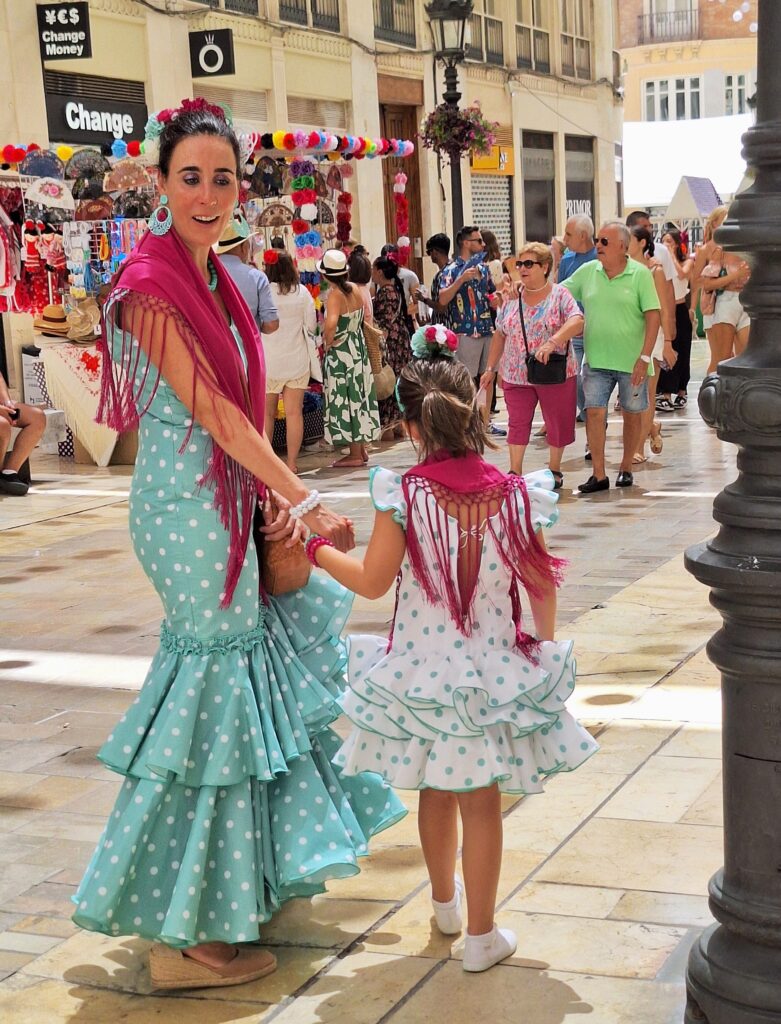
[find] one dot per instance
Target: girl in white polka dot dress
(231, 804)
(460, 703)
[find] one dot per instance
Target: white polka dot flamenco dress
(454, 712)
(231, 804)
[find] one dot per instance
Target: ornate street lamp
(734, 973)
(449, 20)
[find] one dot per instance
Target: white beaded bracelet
(309, 504)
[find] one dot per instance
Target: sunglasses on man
(527, 263)
(478, 240)
(601, 241)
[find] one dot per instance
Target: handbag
(552, 372)
(384, 377)
(282, 569)
(375, 339)
(315, 366)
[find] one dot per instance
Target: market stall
(69, 219)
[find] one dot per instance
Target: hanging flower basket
(452, 132)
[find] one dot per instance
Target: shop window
(532, 36)
(486, 34)
(249, 109)
(735, 94)
(579, 175)
(539, 186)
(673, 99)
(394, 21)
(576, 24)
(306, 112)
(322, 14)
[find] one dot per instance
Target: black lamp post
(734, 973)
(449, 20)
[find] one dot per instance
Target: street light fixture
(734, 973)
(449, 21)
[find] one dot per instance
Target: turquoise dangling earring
(161, 220)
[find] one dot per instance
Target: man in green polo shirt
(621, 308)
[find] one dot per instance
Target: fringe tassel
(124, 400)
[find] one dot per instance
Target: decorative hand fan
(277, 215)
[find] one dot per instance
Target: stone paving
(604, 875)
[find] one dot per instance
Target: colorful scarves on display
(160, 279)
(479, 498)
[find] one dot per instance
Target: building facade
(689, 76)
(545, 70)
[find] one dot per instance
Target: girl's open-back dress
(439, 709)
(230, 803)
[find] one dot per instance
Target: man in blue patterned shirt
(465, 290)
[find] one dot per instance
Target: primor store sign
(64, 31)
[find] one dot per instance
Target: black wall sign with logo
(211, 53)
(85, 121)
(63, 31)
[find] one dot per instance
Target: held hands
(332, 526)
(321, 520)
(669, 354)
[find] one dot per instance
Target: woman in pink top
(552, 318)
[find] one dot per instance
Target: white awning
(658, 153)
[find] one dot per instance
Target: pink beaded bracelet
(313, 544)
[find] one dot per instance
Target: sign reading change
(63, 31)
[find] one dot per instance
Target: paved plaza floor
(604, 875)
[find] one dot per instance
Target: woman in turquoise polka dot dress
(231, 804)
(460, 703)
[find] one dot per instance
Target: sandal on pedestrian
(657, 441)
(558, 480)
(664, 405)
(679, 402)
(171, 969)
(638, 458)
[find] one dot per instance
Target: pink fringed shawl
(479, 497)
(161, 281)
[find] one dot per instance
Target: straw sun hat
(52, 321)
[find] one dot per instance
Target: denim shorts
(598, 386)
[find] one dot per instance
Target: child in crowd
(460, 703)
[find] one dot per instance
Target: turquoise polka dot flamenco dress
(230, 803)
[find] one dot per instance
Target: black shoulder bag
(552, 372)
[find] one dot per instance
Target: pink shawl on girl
(160, 279)
(481, 499)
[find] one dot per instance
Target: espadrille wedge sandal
(170, 968)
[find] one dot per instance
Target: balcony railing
(532, 49)
(293, 10)
(575, 57)
(315, 13)
(668, 26)
(486, 43)
(242, 6)
(394, 21)
(325, 15)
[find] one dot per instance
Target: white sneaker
(483, 951)
(448, 914)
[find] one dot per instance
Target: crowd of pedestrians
(610, 314)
